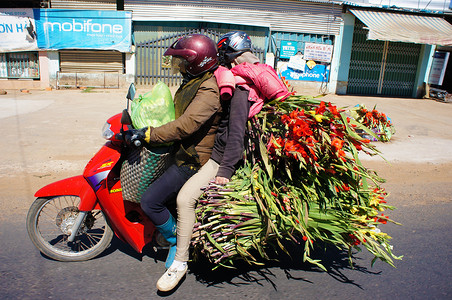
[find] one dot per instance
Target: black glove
(132, 135)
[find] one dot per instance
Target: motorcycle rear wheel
(50, 220)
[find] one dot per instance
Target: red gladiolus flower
(355, 240)
(337, 144)
(321, 109)
(301, 128)
(285, 119)
(305, 238)
(383, 219)
(333, 110)
(294, 114)
(357, 145)
(311, 141)
(330, 171)
(291, 145)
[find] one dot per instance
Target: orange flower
(337, 144)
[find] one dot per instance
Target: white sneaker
(170, 279)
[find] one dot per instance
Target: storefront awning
(397, 27)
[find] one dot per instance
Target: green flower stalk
(302, 181)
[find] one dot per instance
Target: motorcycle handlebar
(129, 138)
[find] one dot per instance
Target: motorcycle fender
(77, 186)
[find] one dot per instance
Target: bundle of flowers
(381, 127)
(302, 181)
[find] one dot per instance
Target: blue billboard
(83, 29)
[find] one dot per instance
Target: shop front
(390, 53)
(310, 26)
(315, 23)
(20, 57)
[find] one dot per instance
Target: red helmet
(198, 50)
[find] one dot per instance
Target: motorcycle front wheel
(49, 225)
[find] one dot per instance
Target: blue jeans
(155, 199)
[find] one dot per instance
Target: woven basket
(140, 169)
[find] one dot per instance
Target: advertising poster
(438, 69)
(288, 49)
(83, 29)
(318, 52)
(17, 30)
(311, 65)
(317, 73)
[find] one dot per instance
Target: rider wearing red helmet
(198, 108)
(198, 53)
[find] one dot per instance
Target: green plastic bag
(154, 108)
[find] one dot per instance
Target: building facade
(321, 45)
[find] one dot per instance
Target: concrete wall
(343, 65)
(424, 68)
(54, 67)
(130, 68)
(27, 84)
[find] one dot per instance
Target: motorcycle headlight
(107, 133)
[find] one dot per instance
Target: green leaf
(265, 159)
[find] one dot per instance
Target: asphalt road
(57, 136)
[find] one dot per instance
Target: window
(19, 65)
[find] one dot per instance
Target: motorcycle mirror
(131, 92)
(125, 118)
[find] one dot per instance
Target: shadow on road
(333, 259)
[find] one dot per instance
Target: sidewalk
(423, 127)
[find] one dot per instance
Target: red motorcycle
(74, 219)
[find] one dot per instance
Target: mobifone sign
(83, 29)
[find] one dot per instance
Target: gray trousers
(186, 202)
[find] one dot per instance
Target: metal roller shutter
(77, 4)
(321, 17)
(91, 61)
(316, 17)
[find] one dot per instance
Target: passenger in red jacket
(234, 50)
